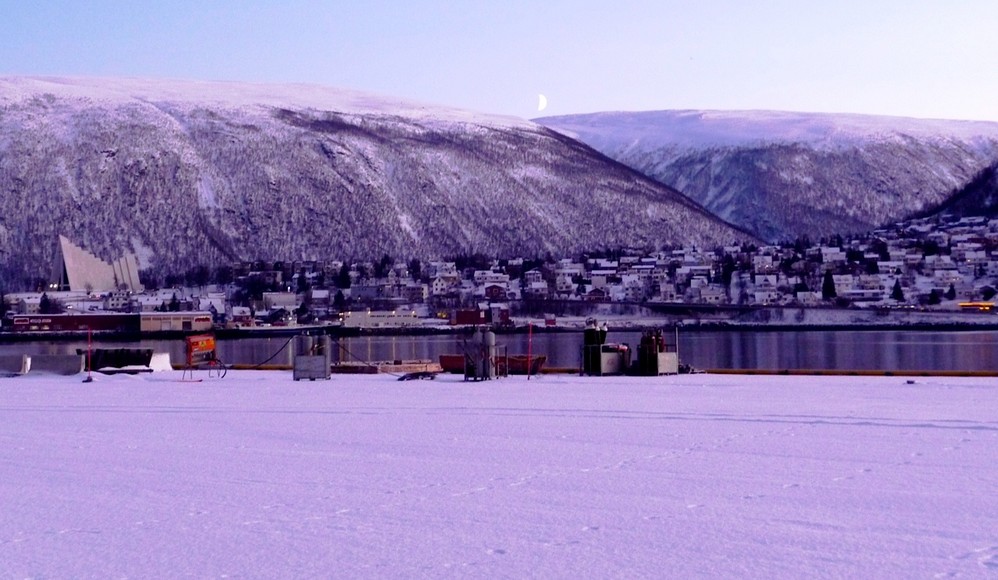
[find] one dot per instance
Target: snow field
(256, 475)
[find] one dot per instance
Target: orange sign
(200, 348)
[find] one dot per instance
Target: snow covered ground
(256, 475)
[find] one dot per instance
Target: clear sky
(899, 57)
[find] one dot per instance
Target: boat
(514, 364)
(520, 364)
(452, 363)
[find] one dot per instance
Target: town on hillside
(928, 264)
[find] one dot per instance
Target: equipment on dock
(312, 357)
(201, 354)
(600, 358)
(480, 356)
(657, 355)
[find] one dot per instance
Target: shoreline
(7, 337)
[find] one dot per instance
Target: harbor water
(842, 350)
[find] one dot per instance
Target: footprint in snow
(988, 557)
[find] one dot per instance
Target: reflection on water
(838, 350)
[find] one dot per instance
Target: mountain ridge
(183, 175)
(781, 175)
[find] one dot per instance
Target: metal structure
(600, 358)
(201, 354)
(482, 358)
(312, 357)
(657, 354)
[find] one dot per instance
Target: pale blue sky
(915, 58)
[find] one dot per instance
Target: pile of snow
(559, 476)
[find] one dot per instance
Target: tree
(828, 287)
(149, 279)
(303, 286)
(197, 276)
(383, 266)
(340, 301)
(343, 278)
(951, 293)
(897, 294)
(880, 247)
(934, 298)
(223, 275)
(415, 269)
(253, 288)
(303, 314)
(48, 305)
(987, 293)
(727, 269)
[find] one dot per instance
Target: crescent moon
(542, 102)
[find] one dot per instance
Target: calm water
(886, 350)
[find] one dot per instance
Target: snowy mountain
(977, 198)
(189, 173)
(781, 175)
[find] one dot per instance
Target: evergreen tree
(934, 297)
(897, 293)
(223, 275)
(302, 281)
(727, 269)
(828, 287)
(343, 278)
(197, 276)
(383, 266)
(415, 269)
(48, 305)
(951, 293)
